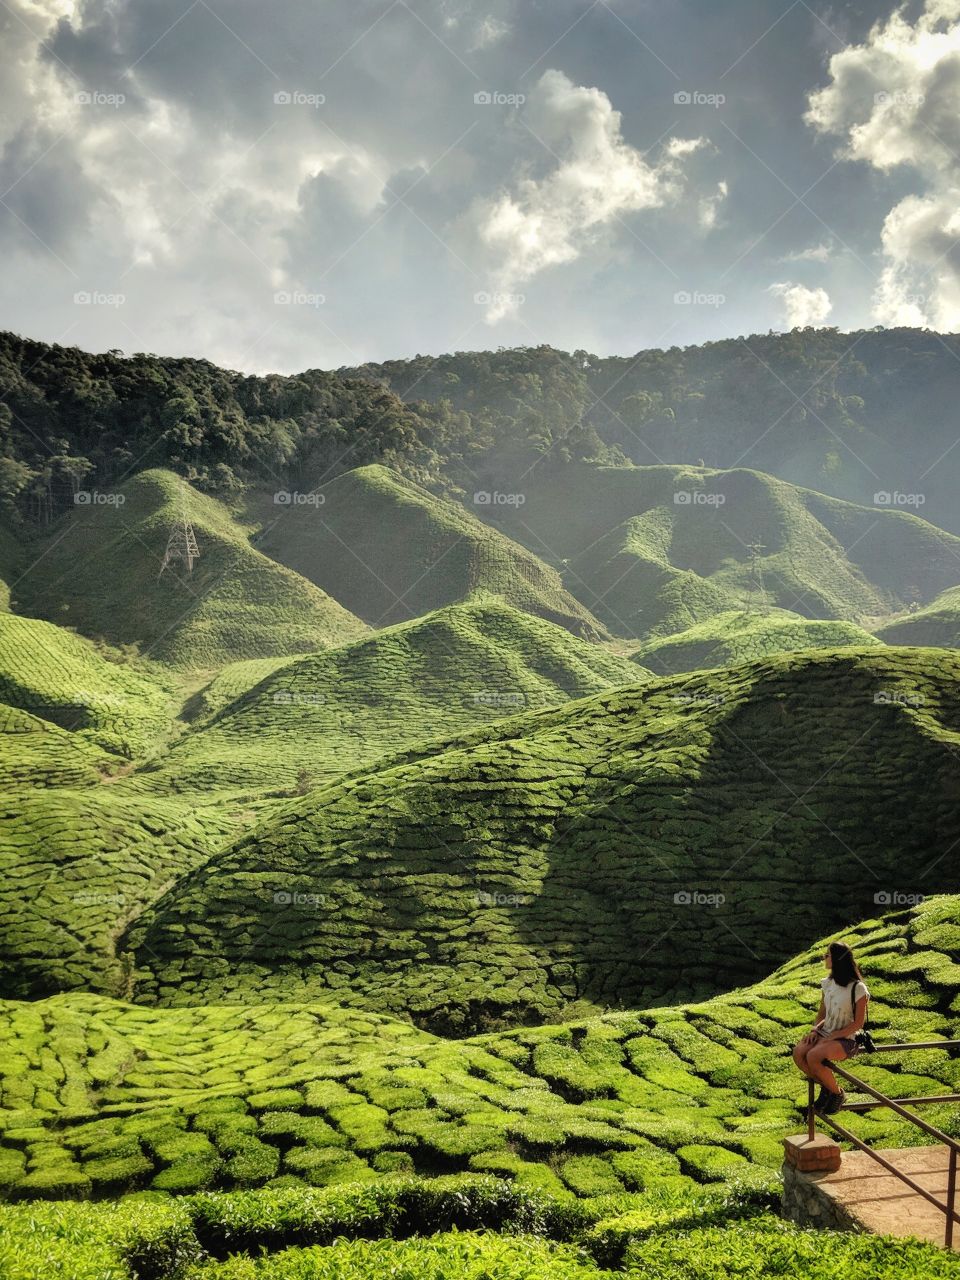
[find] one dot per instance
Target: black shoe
(833, 1103)
(821, 1098)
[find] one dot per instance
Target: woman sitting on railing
(842, 1013)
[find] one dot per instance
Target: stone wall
(809, 1204)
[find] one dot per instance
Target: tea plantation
(390, 551)
(309, 719)
(937, 624)
(99, 571)
(625, 850)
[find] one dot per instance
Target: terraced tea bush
(671, 1104)
(745, 636)
(312, 718)
(655, 550)
(390, 551)
(99, 572)
(526, 867)
(937, 624)
(76, 866)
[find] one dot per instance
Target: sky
(318, 183)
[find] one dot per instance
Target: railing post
(811, 1115)
(951, 1197)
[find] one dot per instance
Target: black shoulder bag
(863, 1039)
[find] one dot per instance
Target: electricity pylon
(182, 542)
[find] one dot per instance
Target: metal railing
(898, 1105)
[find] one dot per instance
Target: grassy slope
(937, 624)
(391, 551)
(36, 753)
(743, 635)
(65, 680)
(100, 1095)
(76, 867)
(311, 718)
(526, 867)
(648, 565)
(99, 573)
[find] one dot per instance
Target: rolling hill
(655, 550)
(98, 571)
(390, 551)
(647, 844)
(937, 624)
(743, 635)
(309, 719)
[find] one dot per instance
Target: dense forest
(843, 412)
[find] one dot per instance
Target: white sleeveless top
(838, 1003)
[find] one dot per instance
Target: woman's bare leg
(817, 1062)
(800, 1052)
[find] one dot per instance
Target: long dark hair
(843, 967)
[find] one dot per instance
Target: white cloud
(894, 101)
(802, 306)
(709, 206)
(822, 252)
(597, 179)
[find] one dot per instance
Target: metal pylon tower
(182, 542)
(756, 567)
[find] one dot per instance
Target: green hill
(655, 550)
(745, 636)
(391, 551)
(99, 572)
(311, 718)
(647, 844)
(100, 1096)
(938, 624)
(76, 867)
(64, 679)
(34, 752)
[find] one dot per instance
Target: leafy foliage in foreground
(525, 867)
(97, 1096)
